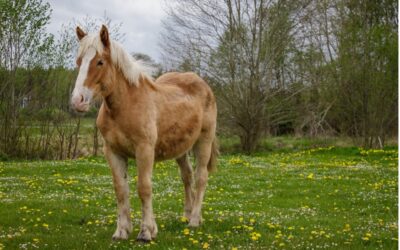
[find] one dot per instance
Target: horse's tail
(212, 164)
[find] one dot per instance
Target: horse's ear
(105, 39)
(80, 33)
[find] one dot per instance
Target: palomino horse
(149, 121)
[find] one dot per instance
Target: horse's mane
(130, 67)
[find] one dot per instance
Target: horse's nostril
(81, 98)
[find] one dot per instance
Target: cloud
(141, 20)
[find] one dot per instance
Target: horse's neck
(115, 100)
(124, 94)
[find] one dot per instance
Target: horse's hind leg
(187, 178)
(202, 151)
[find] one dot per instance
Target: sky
(141, 20)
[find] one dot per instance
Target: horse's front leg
(119, 167)
(144, 162)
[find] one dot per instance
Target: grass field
(331, 198)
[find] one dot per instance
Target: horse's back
(190, 83)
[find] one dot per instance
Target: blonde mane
(130, 68)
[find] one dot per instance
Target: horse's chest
(118, 140)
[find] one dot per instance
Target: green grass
(231, 144)
(335, 198)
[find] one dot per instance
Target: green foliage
(367, 91)
(327, 197)
(23, 40)
(304, 68)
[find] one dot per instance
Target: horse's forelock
(90, 41)
(131, 68)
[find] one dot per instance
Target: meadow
(319, 198)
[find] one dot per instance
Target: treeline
(36, 76)
(305, 68)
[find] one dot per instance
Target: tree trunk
(95, 139)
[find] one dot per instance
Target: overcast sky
(141, 19)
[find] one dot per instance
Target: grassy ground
(332, 197)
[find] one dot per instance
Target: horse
(147, 120)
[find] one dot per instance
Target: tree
(23, 43)
(242, 48)
(367, 55)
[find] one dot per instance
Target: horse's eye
(100, 63)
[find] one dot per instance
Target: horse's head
(95, 68)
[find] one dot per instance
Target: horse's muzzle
(79, 103)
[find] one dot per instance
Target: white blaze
(79, 89)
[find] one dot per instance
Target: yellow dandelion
(205, 245)
(186, 231)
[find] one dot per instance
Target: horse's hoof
(194, 222)
(120, 234)
(144, 241)
(144, 236)
(154, 231)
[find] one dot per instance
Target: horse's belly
(176, 142)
